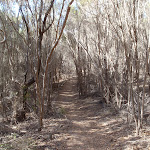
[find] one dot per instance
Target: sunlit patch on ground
(81, 124)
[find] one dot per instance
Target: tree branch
(4, 38)
(46, 15)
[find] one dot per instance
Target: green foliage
(84, 2)
(73, 10)
(63, 38)
(27, 95)
(5, 146)
(62, 111)
(15, 142)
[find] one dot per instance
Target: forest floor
(78, 124)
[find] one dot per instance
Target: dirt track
(78, 124)
(88, 126)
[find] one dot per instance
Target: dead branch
(4, 38)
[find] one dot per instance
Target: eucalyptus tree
(130, 46)
(38, 25)
(118, 43)
(39, 17)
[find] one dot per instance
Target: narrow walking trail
(77, 124)
(88, 125)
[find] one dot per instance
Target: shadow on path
(88, 126)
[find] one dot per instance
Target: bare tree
(44, 22)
